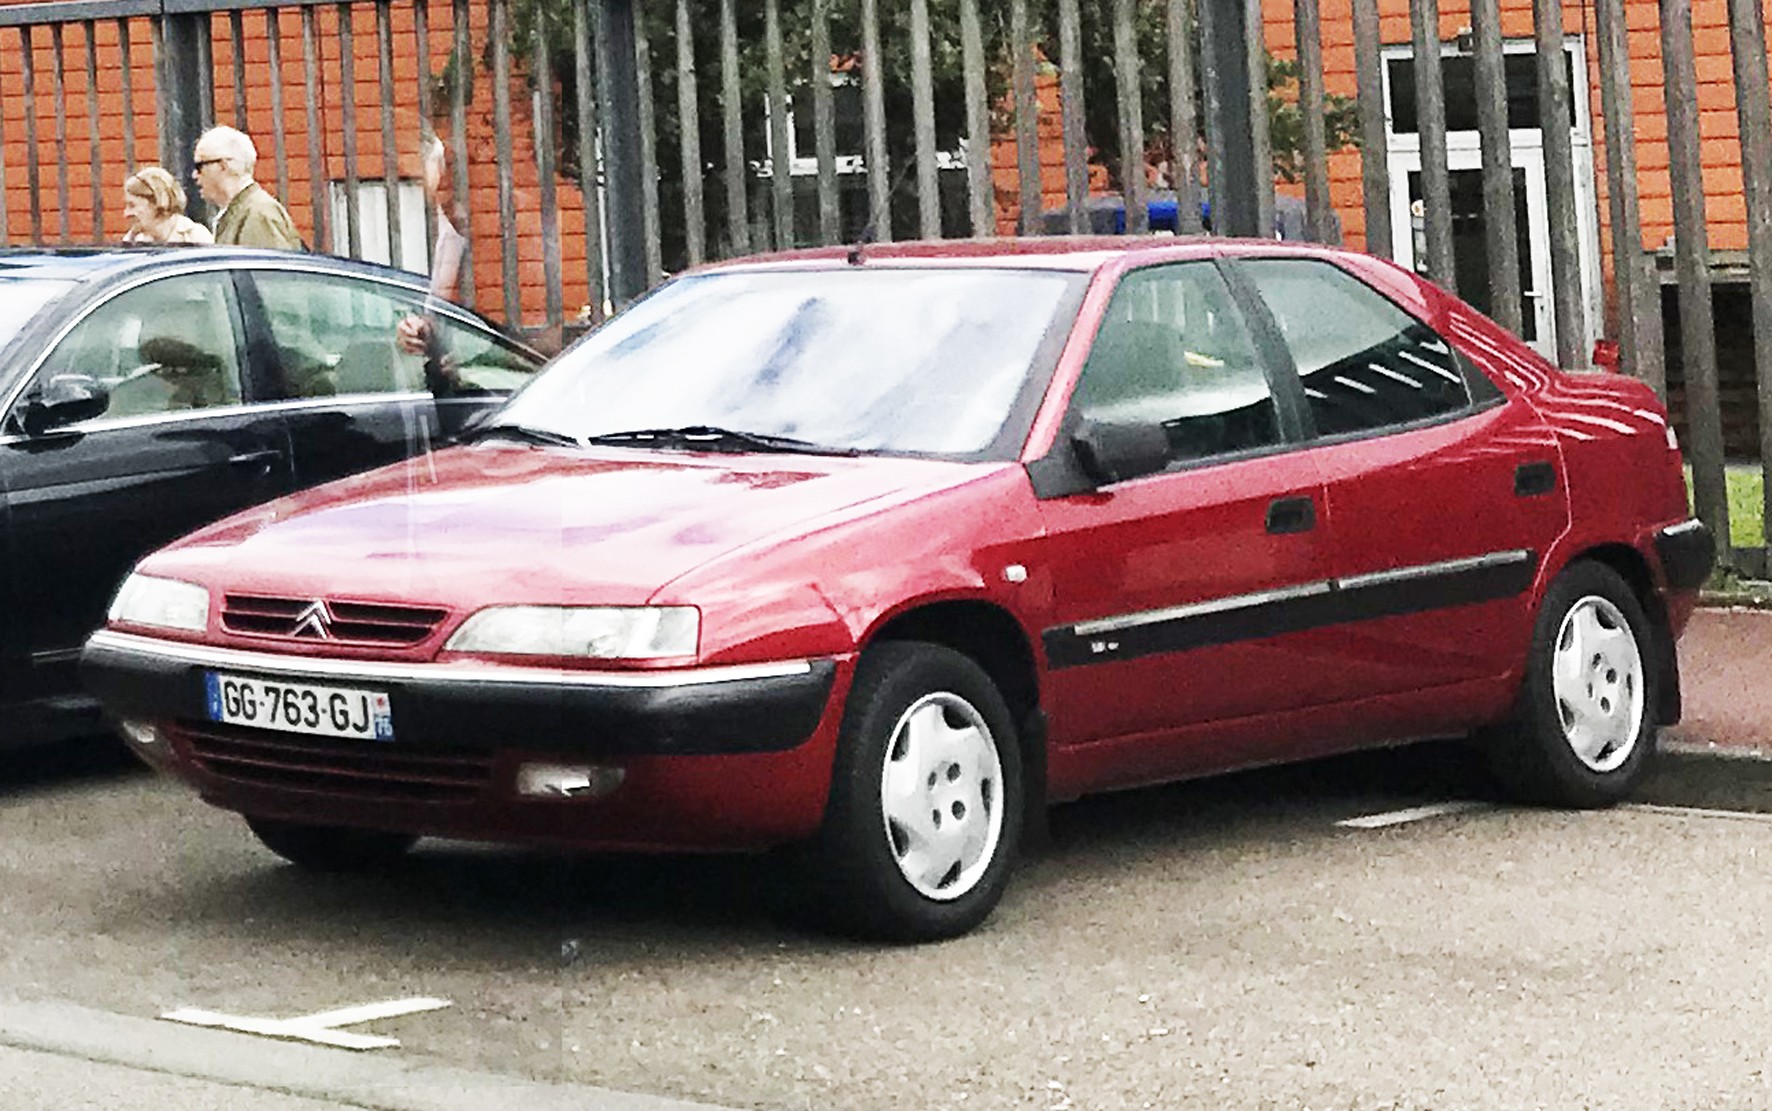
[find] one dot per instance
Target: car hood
(499, 523)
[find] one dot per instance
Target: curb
(1706, 776)
(329, 1075)
(1734, 600)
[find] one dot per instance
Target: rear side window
(338, 336)
(1365, 363)
(1174, 350)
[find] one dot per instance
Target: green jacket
(254, 218)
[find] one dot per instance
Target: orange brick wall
(1725, 206)
(485, 230)
(114, 119)
(1005, 170)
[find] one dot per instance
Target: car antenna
(868, 231)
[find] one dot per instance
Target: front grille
(328, 620)
(359, 769)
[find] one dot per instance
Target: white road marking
(320, 1027)
(1696, 812)
(1415, 814)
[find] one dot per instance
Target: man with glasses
(250, 216)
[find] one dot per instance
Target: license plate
(299, 707)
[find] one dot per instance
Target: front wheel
(1585, 727)
(331, 848)
(925, 813)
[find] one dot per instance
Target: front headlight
(599, 632)
(166, 603)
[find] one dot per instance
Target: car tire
(331, 848)
(1585, 728)
(925, 813)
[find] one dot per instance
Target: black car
(146, 392)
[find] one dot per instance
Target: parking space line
(1696, 812)
(387, 1083)
(1415, 814)
(321, 1027)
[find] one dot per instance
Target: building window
(372, 224)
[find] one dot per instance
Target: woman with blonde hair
(156, 207)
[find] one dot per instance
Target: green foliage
(1100, 93)
(456, 70)
(554, 20)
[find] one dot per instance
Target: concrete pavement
(63, 1056)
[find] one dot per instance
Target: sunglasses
(197, 166)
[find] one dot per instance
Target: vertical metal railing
(1501, 245)
(781, 178)
(896, 117)
(879, 167)
(324, 232)
(1698, 341)
(1747, 38)
(1375, 189)
(736, 169)
(586, 106)
(1076, 137)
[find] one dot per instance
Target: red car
(875, 552)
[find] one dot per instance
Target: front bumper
(1687, 552)
(690, 712)
(708, 758)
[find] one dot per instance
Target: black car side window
(335, 336)
(1365, 363)
(1174, 350)
(162, 347)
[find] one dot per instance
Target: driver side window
(162, 347)
(1173, 350)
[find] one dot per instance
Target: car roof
(1045, 252)
(81, 264)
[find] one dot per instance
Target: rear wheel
(331, 848)
(925, 813)
(1585, 727)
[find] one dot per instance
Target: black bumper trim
(1687, 552)
(772, 713)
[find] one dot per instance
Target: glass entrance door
(1470, 247)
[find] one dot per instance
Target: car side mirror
(64, 399)
(1111, 453)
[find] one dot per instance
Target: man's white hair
(232, 144)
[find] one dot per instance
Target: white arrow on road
(321, 1027)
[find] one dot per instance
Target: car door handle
(1533, 479)
(1289, 515)
(260, 459)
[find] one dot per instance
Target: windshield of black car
(867, 359)
(20, 298)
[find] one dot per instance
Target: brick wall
(1005, 170)
(485, 230)
(1725, 205)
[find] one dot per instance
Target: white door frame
(1526, 145)
(1538, 285)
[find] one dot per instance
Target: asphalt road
(1217, 945)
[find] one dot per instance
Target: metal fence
(602, 143)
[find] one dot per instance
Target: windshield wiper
(712, 436)
(525, 432)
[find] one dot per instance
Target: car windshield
(20, 298)
(861, 359)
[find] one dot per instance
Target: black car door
(357, 397)
(180, 445)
